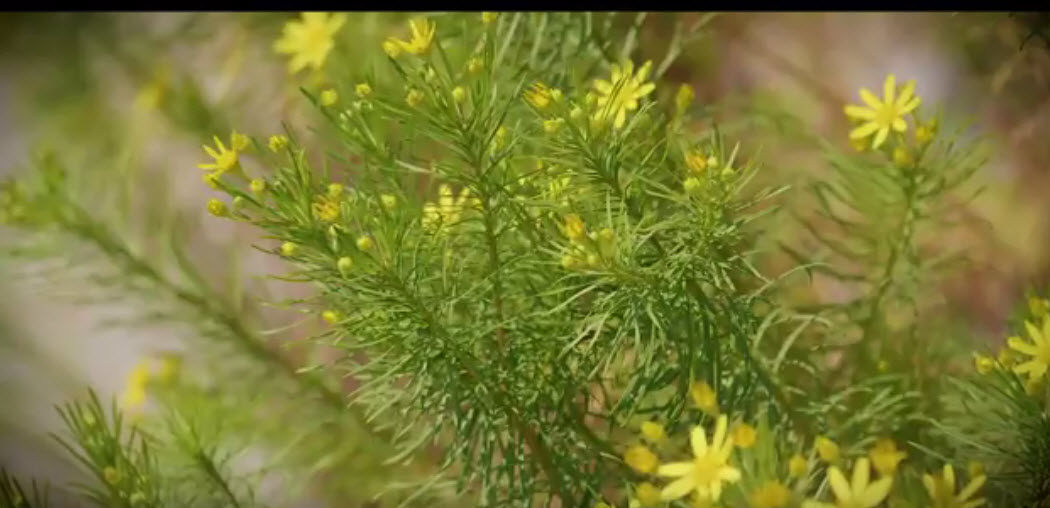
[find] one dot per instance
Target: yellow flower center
(706, 468)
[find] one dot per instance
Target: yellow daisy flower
(622, 91)
(309, 41)
(885, 456)
(1038, 349)
(942, 490)
(771, 494)
(422, 35)
(857, 493)
(225, 159)
(882, 115)
(708, 469)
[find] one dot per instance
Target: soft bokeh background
(145, 90)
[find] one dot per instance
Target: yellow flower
(881, 116)
(225, 159)
(309, 41)
(239, 142)
(330, 316)
(448, 209)
(942, 490)
(827, 449)
(326, 209)
(278, 142)
(696, 162)
(391, 47)
(576, 113)
(983, 364)
(744, 436)
(885, 456)
(217, 208)
(363, 90)
(708, 469)
(622, 91)
(422, 35)
(489, 17)
(797, 465)
(641, 459)
(257, 186)
(858, 493)
(329, 97)
(923, 134)
(335, 190)
(135, 388)
(474, 65)
(365, 243)
(539, 95)
(414, 98)
(574, 228)
(646, 494)
(289, 248)
(771, 494)
(389, 201)
(1038, 349)
(704, 397)
(653, 432)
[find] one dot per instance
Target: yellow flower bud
(641, 459)
(556, 95)
(391, 47)
(576, 113)
(365, 243)
(885, 457)
(551, 126)
(827, 449)
(363, 90)
(239, 142)
(212, 179)
(744, 436)
(902, 158)
(797, 465)
(683, 98)
(489, 17)
(330, 316)
(573, 227)
(389, 201)
(289, 248)
(344, 264)
(772, 494)
(704, 397)
(647, 494)
(217, 208)
(692, 185)
(593, 260)
(459, 94)
(257, 186)
(278, 142)
(335, 190)
(414, 98)
(983, 364)
(696, 162)
(329, 97)
(111, 475)
(653, 432)
(474, 65)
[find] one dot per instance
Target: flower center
(705, 469)
(886, 115)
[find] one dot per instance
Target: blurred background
(137, 94)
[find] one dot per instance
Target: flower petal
(875, 492)
(900, 125)
(910, 105)
(1017, 344)
(949, 476)
(861, 475)
(889, 88)
(971, 488)
(864, 130)
(729, 474)
(854, 111)
(838, 484)
(720, 431)
(675, 469)
(698, 441)
(906, 93)
(678, 488)
(880, 137)
(1033, 332)
(870, 99)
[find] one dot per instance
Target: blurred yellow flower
(414, 98)
(289, 248)
(696, 162)
(827, 449)
(489, 17)
(329, 97)
(983, 364)
(422, 36)
(217, 208)
(1038, 349)
(365, 243)
(326, 209)
(622, 92)
(709, 468)
(641, 459)
(771, 494)
(391, 47)
(363, 90)
(880, 116)
(574, 228)
(942, 493)
(330, 316)
(704, 397)
(277, 142)
(134, 395)
(309, 41)
(646, 494)
(225, 159)
(744, 436)
(857, 493)
(797, 465)
(653, 432)
(539, 95)
(885, 456)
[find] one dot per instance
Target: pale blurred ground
(820, 60)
